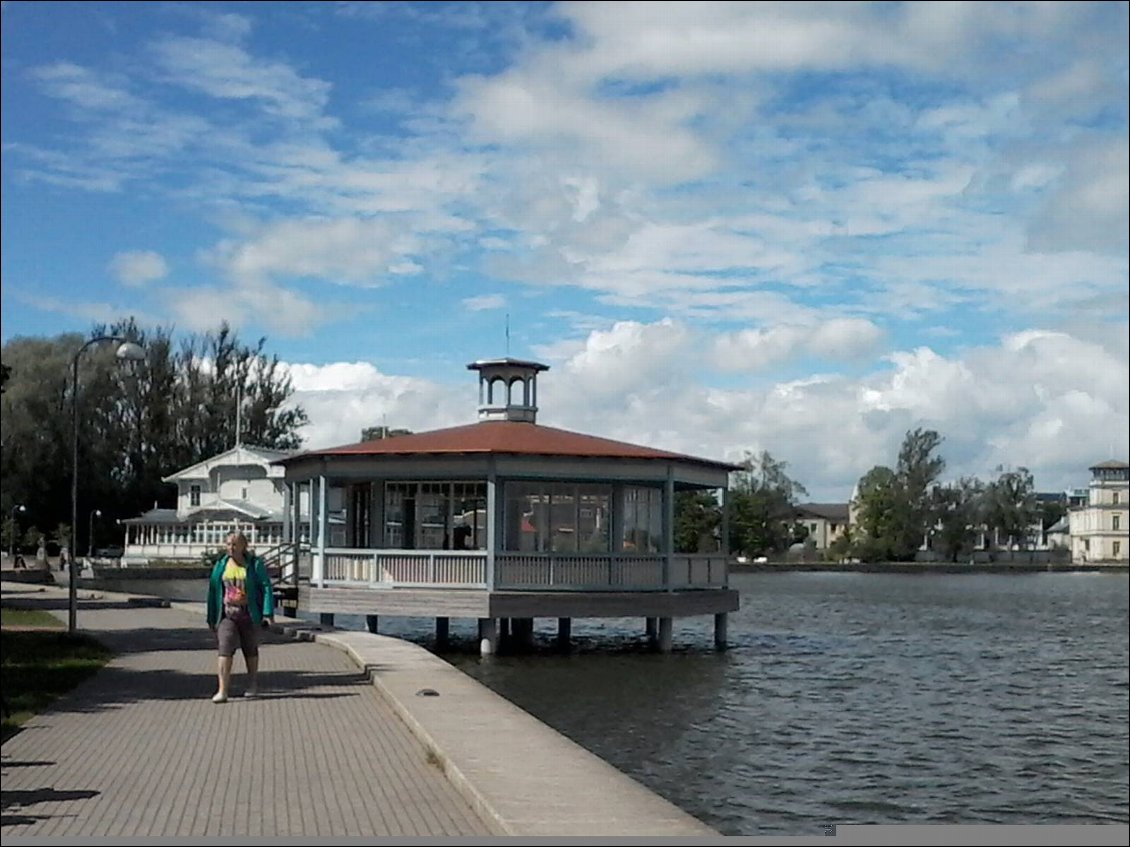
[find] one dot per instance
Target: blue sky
(727, 227)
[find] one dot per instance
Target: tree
(376, 433)
(880, 515)
(762, 502)
(959, 508)
(697, 519)
(1011, 508)
(139, 423)
(896, 506)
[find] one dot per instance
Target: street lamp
(15, 530)
(128, 351)
(95, 513)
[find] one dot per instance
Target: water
(852, 699)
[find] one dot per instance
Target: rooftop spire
(508, 389)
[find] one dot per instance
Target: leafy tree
(881, 515)
(1011, 508)
(697, 519)
(139, 422)
(762, 502)
(959, 508)
(896, 506)
(918, 469)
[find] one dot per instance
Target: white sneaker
(251, 692)
(219, 697)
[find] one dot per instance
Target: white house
(1099, 529)
(238, 490)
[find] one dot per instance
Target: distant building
(1099, 529)
(238, 490)
(825, 522)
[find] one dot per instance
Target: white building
(1099, 528)
(238, 490)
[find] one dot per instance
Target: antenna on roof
(508, 335)
(238, 412)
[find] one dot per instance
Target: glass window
(643, 520)
(1116, 522)
(562, 517)
(435, 515)
(194, 495)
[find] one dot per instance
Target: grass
(29, 617)
(40, 666)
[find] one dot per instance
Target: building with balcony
(238, 490)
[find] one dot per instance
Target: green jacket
(260, 598)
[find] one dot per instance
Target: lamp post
(94, 513)
(15, 530)
(128, 351)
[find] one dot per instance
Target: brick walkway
(140, 750)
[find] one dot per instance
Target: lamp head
(128, 351)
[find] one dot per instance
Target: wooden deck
(480, 603)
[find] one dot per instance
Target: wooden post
(652, 631)
(443, 629)
(720, 631)
(665, 631)
(564, 630)
(371, 623)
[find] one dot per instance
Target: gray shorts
(238, 631)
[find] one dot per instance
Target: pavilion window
(643, 520)
(425, 515)
(562, 517)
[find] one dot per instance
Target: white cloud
(1048, 401)
(226, 71)
(136, 268)
(837, 339)
(484, 302)
(343, 398)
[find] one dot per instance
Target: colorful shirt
(235, 588)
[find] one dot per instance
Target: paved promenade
(353, 735)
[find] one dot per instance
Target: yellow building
(1099, 528)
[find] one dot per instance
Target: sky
(728, 228)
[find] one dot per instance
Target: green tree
(1011, 508)
(762, 502)
(138, 423)
(880, 515)
(959, 508)
(697, 519)
(896, 507)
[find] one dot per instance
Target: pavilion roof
(504, 437)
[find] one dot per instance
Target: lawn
(40, 665)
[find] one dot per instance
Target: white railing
(404, 568)
(700, 571)
(513, 571)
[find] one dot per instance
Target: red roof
(506, 437)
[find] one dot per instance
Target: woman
(240, 600)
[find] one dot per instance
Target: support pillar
(652, 631)
(371, 622)
(564, 630)
(326, 618)
(488, 636)
(720, 630)
(524, 633)
(665, 630)
(443, 630)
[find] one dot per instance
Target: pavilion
(505, 521)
